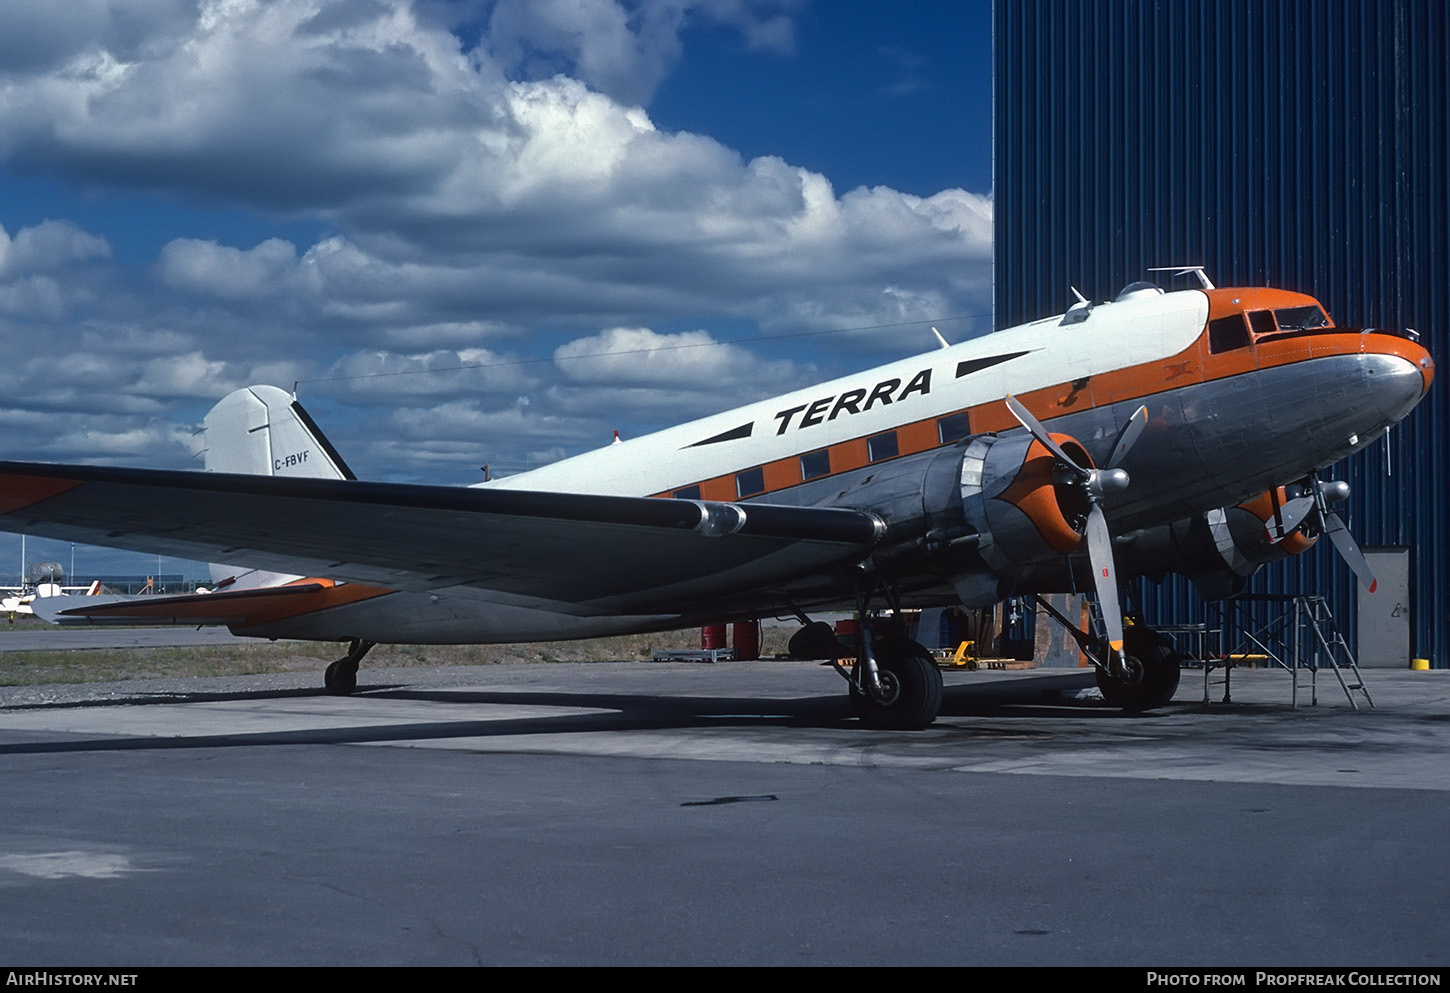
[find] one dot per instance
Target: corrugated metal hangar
(1299, 145)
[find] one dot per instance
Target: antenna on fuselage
(1079, 311)
(940, 339)
(1197, 270)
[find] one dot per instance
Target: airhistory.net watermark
(68, 977)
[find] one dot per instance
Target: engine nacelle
(992, 513)
(1021, 501)
(1218, 550)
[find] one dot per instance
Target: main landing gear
(341, 676)
(1150, 671)
(894, 683)
(908, 691)
(1143, 676)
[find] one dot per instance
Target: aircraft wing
(597, 553)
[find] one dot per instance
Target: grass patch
(103, 665)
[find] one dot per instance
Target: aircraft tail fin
(262, 431)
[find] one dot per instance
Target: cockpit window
(1227, 333)
(1262, 322)
(1237, 330)
(1301, 318)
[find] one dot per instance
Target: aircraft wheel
(340, 678)
(1155, 666)
(912, 691)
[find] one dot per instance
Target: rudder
(262, 431)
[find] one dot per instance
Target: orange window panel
(917, 436)
(992, 417)
(849, 455)
(782, 473)
(719, 488)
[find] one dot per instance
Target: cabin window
(750, 482)
(882, 446)
(1227, 333)
(688, 493)
(814, 464)
(953, 427)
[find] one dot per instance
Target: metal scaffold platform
(1296, 632)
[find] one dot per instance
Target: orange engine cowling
(1263, 508)
(1026, 508)
(1053, 501)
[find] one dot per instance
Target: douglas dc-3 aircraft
(1159, 432)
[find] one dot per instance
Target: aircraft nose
(1399, 377)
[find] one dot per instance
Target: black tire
(1162, 667)
(913, 690)
(340, 678)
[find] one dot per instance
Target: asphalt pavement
(725, 814)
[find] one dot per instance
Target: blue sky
(423, 213)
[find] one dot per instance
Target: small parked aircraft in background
(1159, 432)
(19, 601)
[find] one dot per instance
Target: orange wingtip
(19, 492)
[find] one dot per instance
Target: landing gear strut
(1142, 677)
(894, 682)
(341, 676)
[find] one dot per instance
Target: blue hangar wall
(1303, 145)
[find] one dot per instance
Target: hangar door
(1384, 615)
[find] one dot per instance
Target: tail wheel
(1154, 668)
(341, 676)
(911, 689)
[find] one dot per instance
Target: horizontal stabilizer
(242, 608)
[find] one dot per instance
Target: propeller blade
(1032, 424)
(1105, 576)
(1128, 436)
(1348, 550)
(1291, 515)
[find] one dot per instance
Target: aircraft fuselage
(1245, 390)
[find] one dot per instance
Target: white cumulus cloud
(470, 182)
(207, 267)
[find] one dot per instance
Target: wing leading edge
(596, 553)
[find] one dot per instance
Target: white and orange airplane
(1159, 432)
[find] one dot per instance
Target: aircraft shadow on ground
(606, 711)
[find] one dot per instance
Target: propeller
(1312, 507)
(1287, 516)
(1096, 483)
(1338, 533)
